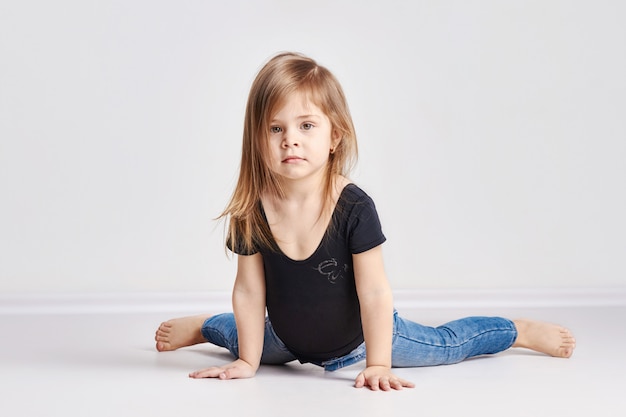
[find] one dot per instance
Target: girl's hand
(236, 369)
(380, 378)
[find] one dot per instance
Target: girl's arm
(376, 303)
(249, 308)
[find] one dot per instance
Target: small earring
(332, 151)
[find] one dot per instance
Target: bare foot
(547, 338)
(181, 332)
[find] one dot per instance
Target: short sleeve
(239, 248)
(364, 228)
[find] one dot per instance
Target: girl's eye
(307, 126)
(275, 129)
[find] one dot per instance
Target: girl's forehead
(297, 102)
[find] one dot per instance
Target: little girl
(309, 246)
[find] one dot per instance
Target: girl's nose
(289, 140)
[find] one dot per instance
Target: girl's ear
(336, 138)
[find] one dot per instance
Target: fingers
(213, 372)
(382, 383)
(360, 381)
(402, 383)
(216, 372)
(237, 369)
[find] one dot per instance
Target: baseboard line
(218, 301)
(511, 298)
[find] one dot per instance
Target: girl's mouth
(292, 159)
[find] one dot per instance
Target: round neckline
(321, 242)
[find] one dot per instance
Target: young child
(309, 252)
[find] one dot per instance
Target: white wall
(492, 135)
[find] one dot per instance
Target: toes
(164, 330)
(163, 346)
(162, 337)
(568, 338)
(567, 347)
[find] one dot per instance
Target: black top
(313, 304)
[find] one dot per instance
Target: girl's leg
(220, 330)
(418, 345)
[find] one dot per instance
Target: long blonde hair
(282, 75)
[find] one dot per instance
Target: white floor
(106, 365)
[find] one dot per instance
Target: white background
(492, 136)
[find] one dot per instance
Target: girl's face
(301, 139)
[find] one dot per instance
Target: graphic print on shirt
(331, 269)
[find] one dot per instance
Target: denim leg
(221, 330)
(417, 345)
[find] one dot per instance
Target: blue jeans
(413, 344)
